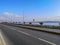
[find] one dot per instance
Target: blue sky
(31, 8)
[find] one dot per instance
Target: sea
(51, 24)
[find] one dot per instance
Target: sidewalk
(1, 39)
(4, 40)
(55, 31)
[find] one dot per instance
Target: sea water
(51, 24)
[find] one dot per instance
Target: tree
(59, 23)
(30, 22)
(41, 23)
(24, 22)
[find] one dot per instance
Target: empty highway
(21, 36)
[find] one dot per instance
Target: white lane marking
(36, 37)
(32, 36)
(3, 41)
(47, 41)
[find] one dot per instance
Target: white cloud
(51, 18)
(55, 18)
(6, 16)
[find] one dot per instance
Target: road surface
(21, 36)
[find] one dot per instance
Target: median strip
(54, 31)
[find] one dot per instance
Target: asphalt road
(20, 36)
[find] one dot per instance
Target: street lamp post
(23, 17)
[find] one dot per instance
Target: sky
(40, 10)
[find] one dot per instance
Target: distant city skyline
(40, 10)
